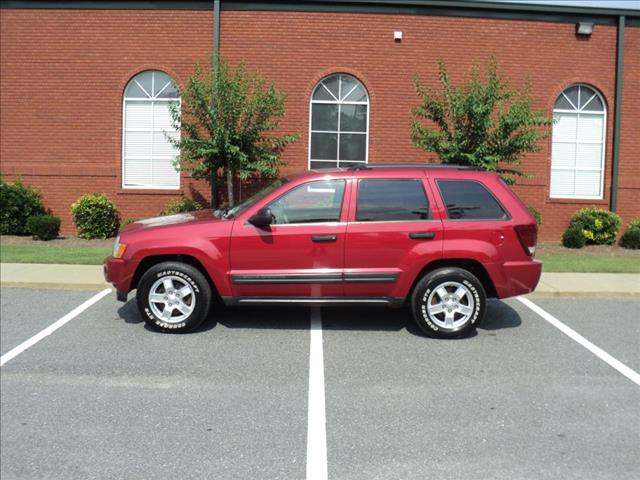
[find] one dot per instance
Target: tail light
(528, 236)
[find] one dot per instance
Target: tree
(226, 118)
(480, 124)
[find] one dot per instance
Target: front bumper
(115, 273)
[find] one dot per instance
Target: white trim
(577, 141)
(316, 416)
(338, 132)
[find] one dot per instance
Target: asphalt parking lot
(104, 397)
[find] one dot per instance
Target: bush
(631, 237)
(43, 227)
(598, 226)
(17, 203)
(536, 214)
(176, 205)
(573, 238)
(95, 216)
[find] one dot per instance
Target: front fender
(211, 253)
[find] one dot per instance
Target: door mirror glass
(262, 218)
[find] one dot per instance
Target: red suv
(441, 240)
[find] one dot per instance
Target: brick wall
(629, 176)
(63, 74)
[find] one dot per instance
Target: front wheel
(173, 297)
(448, 303)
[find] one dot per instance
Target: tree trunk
(215, 200)
(230, 185)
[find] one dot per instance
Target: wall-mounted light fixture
(397, 36)
(584, 28)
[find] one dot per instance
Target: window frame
(446, 218)
(299, 224)
(124, 132)
(424, 190)
(338, 132)
(578, 111)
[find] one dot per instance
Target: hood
(180, 218)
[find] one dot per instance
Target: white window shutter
(577, 153)
(148, 156)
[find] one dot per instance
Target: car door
(391, 235)
(301, 254)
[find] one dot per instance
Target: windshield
(259, 195)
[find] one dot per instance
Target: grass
(590, 264)
(47, 254)
(95, 256)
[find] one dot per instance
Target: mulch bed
(555, 248)
(58, 242)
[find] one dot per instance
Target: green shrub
(95, 216)
(573, 238)
(17, 203)
(536, 214)
(598, 226)
(631, 237)
(180, 205)
(43, 227)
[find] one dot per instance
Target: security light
(397, 36)
(584, 28)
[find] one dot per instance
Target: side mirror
(262, 218)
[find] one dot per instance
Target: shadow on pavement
(499, 315)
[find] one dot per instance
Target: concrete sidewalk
(89, 277)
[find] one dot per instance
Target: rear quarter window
(470, 200)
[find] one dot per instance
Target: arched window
(577, 156)
(147, 155)
(339, 127)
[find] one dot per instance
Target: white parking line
(53, 327)
(597, 351)
(316, 424)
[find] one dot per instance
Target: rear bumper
(115, 273)
(519, 278)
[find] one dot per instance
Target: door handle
(324, 238)
(422, 235)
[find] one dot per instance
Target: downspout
(618, 114)
(215, 62)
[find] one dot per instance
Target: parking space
(25, 312)
(104, 397)
(610, 323)
(518, 400)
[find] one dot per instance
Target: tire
(448, 303)
(183, 294)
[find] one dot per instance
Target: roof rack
(371, 166)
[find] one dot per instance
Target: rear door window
(391, 200)
(470, 200)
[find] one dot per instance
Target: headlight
(118, 248)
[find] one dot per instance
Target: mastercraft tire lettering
(448, 303)
(173, 297)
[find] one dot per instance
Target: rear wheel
(448, 303)
(173, 297)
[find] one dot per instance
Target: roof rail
(371, 166)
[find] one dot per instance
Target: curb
(583, 294)
(58, 286)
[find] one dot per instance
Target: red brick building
(70, 125)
